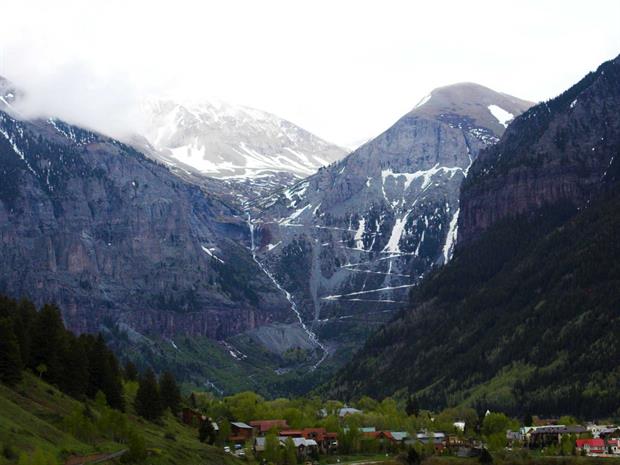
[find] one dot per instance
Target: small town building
(303, 446)
(609, 432)
(325, 440)
(437, 439)
(613, 446)
(600, 430)
(594, 446)
(344, 411)
(192, 417)
(381, 436)
(400, 436)
(262, 427)
(543, 436)
(240, 432)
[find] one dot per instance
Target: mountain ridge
(561, 123)
(525, 316)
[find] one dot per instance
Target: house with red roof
(262, 427)
(324, 439)
(381, 436)
(613, 445)
(592, 446)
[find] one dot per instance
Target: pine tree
(47, 339)
(74, 376)
(25, 318)
(206, 432)
(104, 374)
(412, 407)
(131, 372)
(413, 458)
(113, 388)
(148, 402)
(10, 359)
(169, 392)
(485, 457)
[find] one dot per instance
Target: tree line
(80, 366)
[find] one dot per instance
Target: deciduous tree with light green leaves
(290, 452)
(272, 448)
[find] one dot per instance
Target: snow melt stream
(311, 335)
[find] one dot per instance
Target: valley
(294, 233)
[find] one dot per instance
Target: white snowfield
(502, 116)
(229, 141)
(426, 175)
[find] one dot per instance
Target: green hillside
(36, 417)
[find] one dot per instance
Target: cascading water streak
(311, 334)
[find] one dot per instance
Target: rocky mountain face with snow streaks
(350, 241)
(116, 239)
(527, 310)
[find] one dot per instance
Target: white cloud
(343, 69)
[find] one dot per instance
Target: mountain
(350, 241)
(250, 149)
(558, 150)
(163, 268)
(525, 317)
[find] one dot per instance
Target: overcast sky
(345, 70)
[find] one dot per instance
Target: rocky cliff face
(350, 241)
(115, 238)
(556, 151)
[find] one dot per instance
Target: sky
(345, 70)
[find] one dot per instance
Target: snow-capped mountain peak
(222, 140)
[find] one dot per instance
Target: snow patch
(502, 116)
(397, 231)
(424, 99)
(448, 248)
(294, 215)
(426, 175)
(359, 234)
(17, 150)
(389, 288)
(211, 254)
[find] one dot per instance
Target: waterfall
(311, 335)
